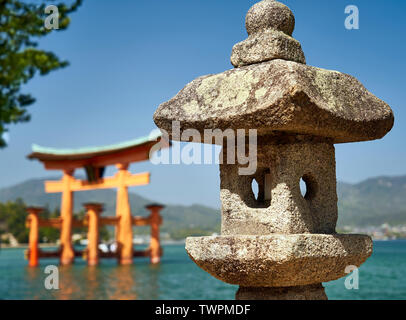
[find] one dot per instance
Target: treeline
(181, 234)
(177, 233)
(13, 216)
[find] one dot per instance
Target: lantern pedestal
(285, 264)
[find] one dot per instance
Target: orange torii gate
(94, 161)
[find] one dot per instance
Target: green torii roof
(45, 153)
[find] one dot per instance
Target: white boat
(104, 247)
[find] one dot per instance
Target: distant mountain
(372, 202)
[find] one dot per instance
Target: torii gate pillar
(155, 221)
(93, 215)
(67, 254)
(123, 211)
(33, 219)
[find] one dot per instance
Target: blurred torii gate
(94, 161)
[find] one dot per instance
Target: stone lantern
(280, 244)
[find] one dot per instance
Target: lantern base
(278, 260)
(309, 292)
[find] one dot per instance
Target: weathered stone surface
(269, 25)
(309, 292)
(269, 14)
(280, 96)
(277, 260)
(266, 46)
(285, 210)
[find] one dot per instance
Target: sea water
(177, 277)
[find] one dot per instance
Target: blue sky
(127, 57)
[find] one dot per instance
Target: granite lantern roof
(273, 90)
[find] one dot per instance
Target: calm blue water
(177, 277)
